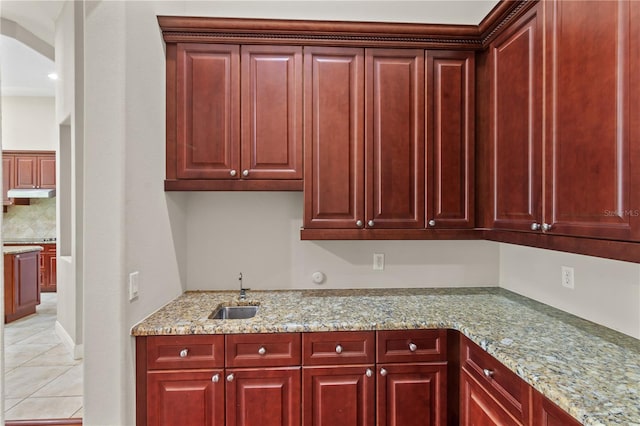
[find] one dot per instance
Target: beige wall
(606, 291)
(28, 123)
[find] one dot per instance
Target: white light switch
(134, 285)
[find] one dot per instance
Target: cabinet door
(450, 139)
(26, 171)
(271, 112)
(186, 398)
(412, 394)
(587, 181)
(208, 111)
(263, 397)
(47, 171)
(334, 137)
(8, 162)
(516, 125)
(478, 408)
(394, 138)
(27, 273)
(338, 395)
(546, 413)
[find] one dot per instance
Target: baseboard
(77, 351)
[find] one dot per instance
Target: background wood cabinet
(8, 177)
(48, 268)
(35, 171)
(21, 284)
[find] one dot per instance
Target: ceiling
(23, 71)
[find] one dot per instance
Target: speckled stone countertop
(590, 371)
(19, 249)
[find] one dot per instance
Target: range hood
(31, 193)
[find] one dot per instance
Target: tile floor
(42, 380)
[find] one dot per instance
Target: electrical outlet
(567, 277)
(134, 285)
(378, 261)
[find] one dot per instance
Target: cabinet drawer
(338, 348)
(170, 352)
(412, 345)
(263, 350)
(504, 385)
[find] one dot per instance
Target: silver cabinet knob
(383, 372)
(359, 223)
(487, 372)
(230, 377)
(184, 353)
(233, 172)
(413, 347)
(245, 173)
(432, 222)
(262, 350)
(369, 372)
(371, 223)
(338, 349)
(546, 227)
(215, 378)
(535, 226)
(17, 256)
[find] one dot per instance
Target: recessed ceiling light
(52, 76)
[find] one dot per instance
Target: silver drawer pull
(487, 372)
(184, 353)
(383, 372)
(413, 347)
(215, 378)
(338, 349)
(369, 373)
(262, 350)
(230, 377)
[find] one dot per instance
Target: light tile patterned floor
(42, 380)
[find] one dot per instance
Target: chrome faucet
(243, 291)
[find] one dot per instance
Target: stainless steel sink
(234, 312)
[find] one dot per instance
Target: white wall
(606, 291)
(29, 123)
(258, 234)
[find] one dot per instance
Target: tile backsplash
(37, 220)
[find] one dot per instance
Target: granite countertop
(32, 240)
(20, 249)
(590, 371)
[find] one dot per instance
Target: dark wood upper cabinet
(31, 169)
(450, 118)
(271, 103)
(587, 134)
(207, 116)
(515, 102)
(394, 138)
(334, 137)
(236, 117)
(8, 177)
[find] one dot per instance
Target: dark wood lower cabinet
(546, 413)
(21, 284)
(338, 395)
(263, 397)
(194, 398)
(479, 408)
(412, 394)
(382, 378)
